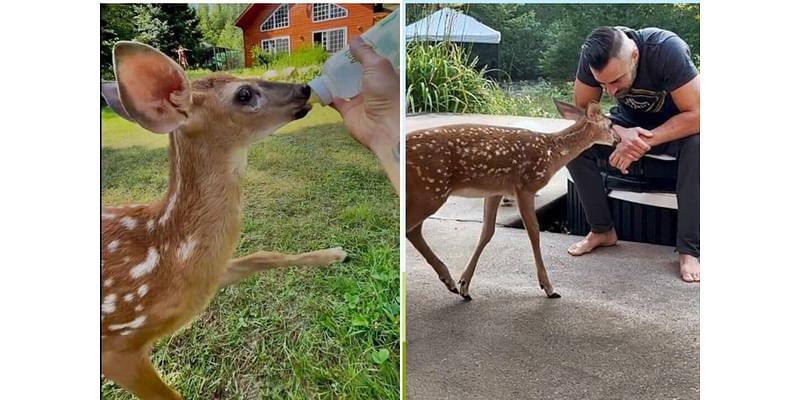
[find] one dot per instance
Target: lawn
(329, 333)
(535, 99)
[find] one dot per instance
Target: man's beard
(625, 91)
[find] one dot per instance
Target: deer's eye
(244, 95)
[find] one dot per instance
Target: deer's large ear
(152, 89)
(111, 94)
(594, 113)
(568, 111)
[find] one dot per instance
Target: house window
(326, 11)
(278, 19)
(276, 45)
(332, 39)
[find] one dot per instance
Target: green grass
(536, 99)
(328, 333)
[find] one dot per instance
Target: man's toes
(577, 249)
(691, 276)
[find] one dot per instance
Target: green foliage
(307, 56)
(441, 78)
(521, 35)
(163, 26)
(216, 22)
(543, 40)
(148, 27)
(561, 51)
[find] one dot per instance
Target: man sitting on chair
(650, 74)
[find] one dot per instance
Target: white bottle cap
(318, 86)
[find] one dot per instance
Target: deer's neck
(569, 143)
(204, 196)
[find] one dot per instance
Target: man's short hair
(601, 45)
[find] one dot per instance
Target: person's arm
(373, 116)
(585, 94)
(685, 123)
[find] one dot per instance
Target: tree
(149, 28)
(521, 36)
(183, 30)
(217, 24)
(116, 23)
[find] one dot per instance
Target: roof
(448, 24)
(245, 18)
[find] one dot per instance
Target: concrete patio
(626, 327)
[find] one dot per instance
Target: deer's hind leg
(490, 205)
(416, 212)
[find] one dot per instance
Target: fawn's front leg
(133, 371)
(490, 205)
(243, 267)
(528, 214)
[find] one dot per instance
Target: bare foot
(593, 240)
(690, 268)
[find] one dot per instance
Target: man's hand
(373, 116)
(631, 147)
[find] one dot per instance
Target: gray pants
(585, 172)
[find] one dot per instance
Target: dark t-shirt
(665, 64)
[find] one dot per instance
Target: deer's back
(475, 160)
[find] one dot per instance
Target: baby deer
(490, 162)
(162, 262)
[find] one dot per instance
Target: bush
(441, 78)
(305, 57)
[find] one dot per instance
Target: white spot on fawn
(107, 215)
(142, 290)
(126, 332)
(109, 304)
(139, 321)
(129, 223)
(147, 265)
(108, 282)
(139, 308)
(185, 249)
(128, 297)
(113, 246)
(168, 211)
(150, 225)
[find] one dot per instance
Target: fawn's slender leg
(417, 210)
(525, 203)
(490, 205)
(243, 267)
(415, 236)
(133, 371)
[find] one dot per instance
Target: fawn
(471, 160)
(161, 263)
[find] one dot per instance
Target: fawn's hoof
(336, 255)
(450, 285)
(550, 293)
(463, 290)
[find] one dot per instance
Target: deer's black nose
(305, 90)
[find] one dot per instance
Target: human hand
(631, 147)
(373, 116)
